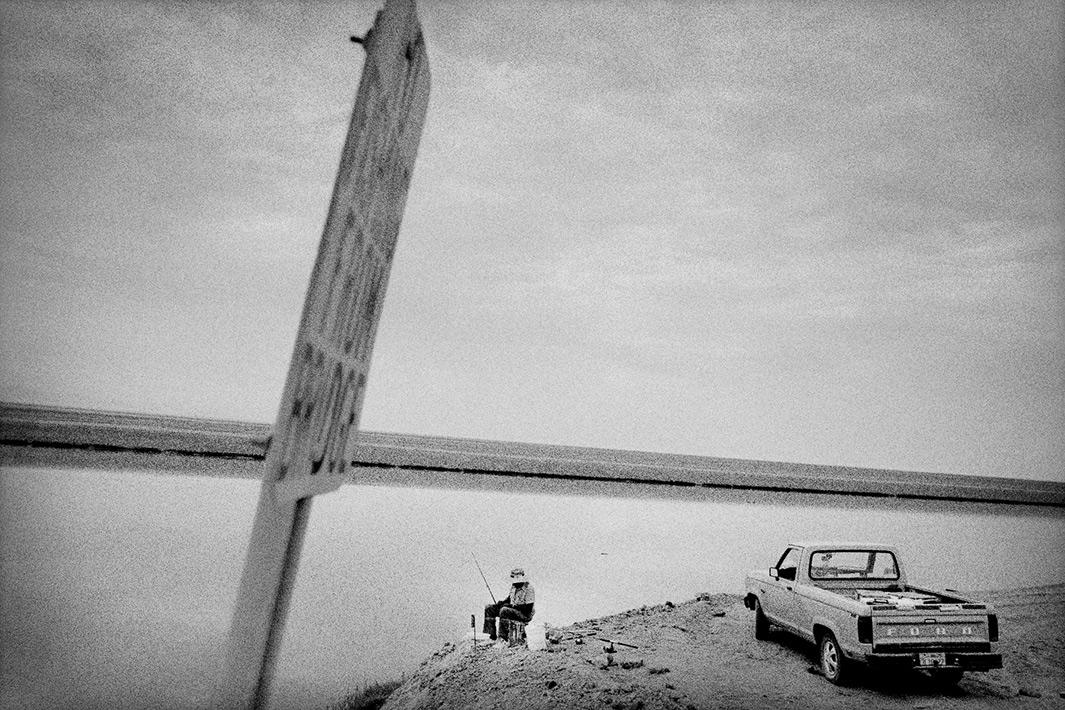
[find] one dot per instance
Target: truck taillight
(865, 629)
(992, 627)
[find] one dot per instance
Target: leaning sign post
(316, 422)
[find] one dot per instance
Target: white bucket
(536, 636)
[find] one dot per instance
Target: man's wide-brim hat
(517, 575)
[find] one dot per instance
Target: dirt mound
(702, 654)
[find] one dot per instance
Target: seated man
(518, 606)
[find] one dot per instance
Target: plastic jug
(536, 636)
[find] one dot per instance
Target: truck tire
(761, 623)
(834, 666)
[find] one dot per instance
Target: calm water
(117, 586)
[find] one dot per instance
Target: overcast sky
(823, 233)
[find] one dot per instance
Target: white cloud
(772, 207)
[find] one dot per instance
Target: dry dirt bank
(702, 654)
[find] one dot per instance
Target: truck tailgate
(903, 631)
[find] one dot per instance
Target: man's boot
(490, 627)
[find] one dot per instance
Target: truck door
(779, 598)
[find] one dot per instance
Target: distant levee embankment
(31, 434)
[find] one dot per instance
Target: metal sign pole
(313, 435)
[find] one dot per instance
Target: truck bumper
(955, 659)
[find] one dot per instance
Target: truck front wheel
(761, 624)
(833, 664)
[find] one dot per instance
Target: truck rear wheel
(833, 664)
(761, 623)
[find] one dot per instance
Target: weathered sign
(327, 375)
(314, 433)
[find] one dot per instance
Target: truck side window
(788, 564)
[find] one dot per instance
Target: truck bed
(906, 598)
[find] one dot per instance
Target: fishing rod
(484, 578)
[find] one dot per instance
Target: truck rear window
(853, 564)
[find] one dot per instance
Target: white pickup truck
(854, 602)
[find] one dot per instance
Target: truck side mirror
(774, 573)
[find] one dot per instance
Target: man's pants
(505, 614)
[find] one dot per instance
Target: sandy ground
(702, 654)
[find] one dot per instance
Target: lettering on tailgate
(932, 629)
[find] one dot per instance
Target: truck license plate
(932, 659)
